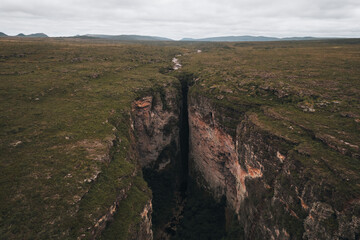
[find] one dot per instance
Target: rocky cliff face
(265, 184)
(155, 121)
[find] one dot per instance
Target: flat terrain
(65, 102)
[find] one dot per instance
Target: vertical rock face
(155, 121)
(214, 158)
(263, 183)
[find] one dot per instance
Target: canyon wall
(155, 122)
(268, 188)
(264, 182)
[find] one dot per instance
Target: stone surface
(155, 121)
(267, 189)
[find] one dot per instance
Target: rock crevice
(263, 183)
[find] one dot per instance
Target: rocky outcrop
(155, 121)
(213, 154)
(266, 184)
(343, 225)
(145, 227)
(101, 223)
(263, 180)
(154, 137)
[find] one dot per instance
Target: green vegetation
(65, 142)
(63, 104)
(126, 219)
(306, 93)
(304, 96)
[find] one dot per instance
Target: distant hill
(38, 35)
(126, 37)
(299, 38)
(244, 39)
(231, 39)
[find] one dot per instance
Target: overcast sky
(182, 18)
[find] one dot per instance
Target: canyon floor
(249, 140)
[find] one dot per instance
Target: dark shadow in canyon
(185, 81)
(181, 209)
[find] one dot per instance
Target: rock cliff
(265, 182)
(270, 180)
(155, 121)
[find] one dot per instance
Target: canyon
(267, 192)
(123, 141)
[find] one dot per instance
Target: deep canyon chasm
(261, 190)
(112, 140)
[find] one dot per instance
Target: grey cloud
(182, 18)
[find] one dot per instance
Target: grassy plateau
(65, 130)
